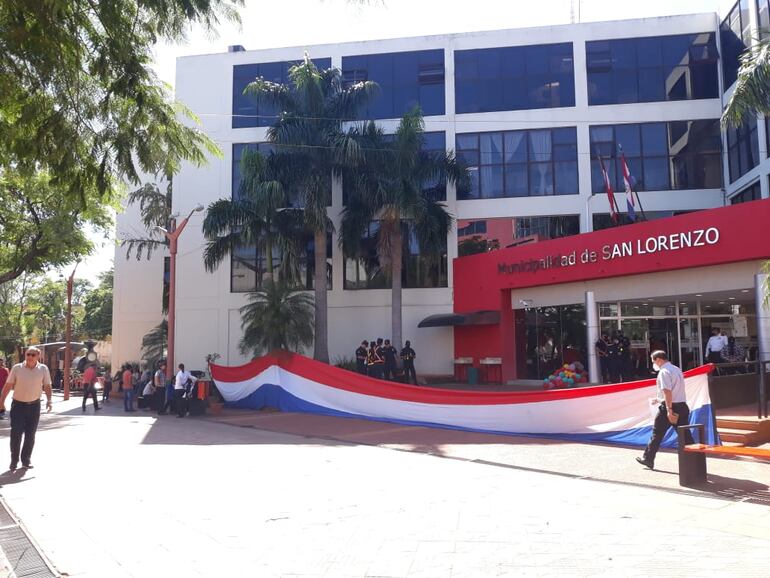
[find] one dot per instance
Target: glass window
(742, 148)
(763, 14)
(603, 221)
(238, 149)
(485, 235)
(420, 270)
(660, 156)
(246, 112)
(750, 193)
(405, 79)
(520, 163)
(554, 336)
(680, 67)
(735, 37)
(514, 78)
(649, 308)
(248, 266)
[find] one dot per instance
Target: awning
(455, 319)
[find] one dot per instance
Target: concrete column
(507, 338)
(592, 336)
(763, 331)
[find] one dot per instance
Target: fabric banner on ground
(617, 413)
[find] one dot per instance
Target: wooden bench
(692, 457)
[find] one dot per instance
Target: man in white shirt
(28, 381)
(716, 343)
(673, 410)
(180, 389)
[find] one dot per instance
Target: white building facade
(528, 110)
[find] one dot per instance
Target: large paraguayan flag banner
(617, 413)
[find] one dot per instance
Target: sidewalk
(117, 495)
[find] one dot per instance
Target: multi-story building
(528, 110)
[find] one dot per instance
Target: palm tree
(276, 317)
(313, 146)
(154, 344)
(751, 95)
(155, 208)
(396, 186)
(259, 216)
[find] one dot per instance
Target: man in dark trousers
(28, 380)
(389, 355)
(361, 358)
(407, 356)
(89, 386)
(673, 410)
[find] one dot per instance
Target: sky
(279, 23)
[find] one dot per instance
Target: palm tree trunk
(321, 342)
(395, 300)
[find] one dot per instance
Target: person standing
(625, 356)
(28, 380)
(107, 387)
(715, 345)
(372, 367)
(614, 360)
(89, 386)
(128, 388)
(183, 379)
(673, 410)
(601, 352)
(361, 358)
(159, 381)
(389, 358)
(407, 356)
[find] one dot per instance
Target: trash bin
(473, 375)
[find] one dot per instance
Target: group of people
(378, 359)
(723, 349)
(614, 357)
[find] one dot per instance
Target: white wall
(207, 316)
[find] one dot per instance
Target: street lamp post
(68, 338)
(173, 237)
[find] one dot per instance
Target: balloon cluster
(566, 376)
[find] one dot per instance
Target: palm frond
(751, 95)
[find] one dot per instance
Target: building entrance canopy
(685, 257)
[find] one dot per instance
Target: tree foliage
(155, 209)
(40, 227)
(97, 309)
(751, 95)
(276, 317)
(154, 344)
(79, 97)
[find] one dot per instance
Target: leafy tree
(276, 317)
(259, 217)
(79, 97)
(476, 244)
(45, 309)
(154, 344)
(395, 185)
(312, 147)
(12, 330)
(40, 227)
(97, 306)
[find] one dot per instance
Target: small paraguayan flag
(629, 183)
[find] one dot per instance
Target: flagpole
(614, 214)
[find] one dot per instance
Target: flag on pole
(628, 182)
(610, 192)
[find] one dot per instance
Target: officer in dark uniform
(361, 358)
(407, 356)
(379, 359)
(370, 355)
(389, 354)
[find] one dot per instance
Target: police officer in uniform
(407, 356)
(361, 358)
(389, 355)
(613, 359)
(601, 352)
(379, 359)
(625, 356)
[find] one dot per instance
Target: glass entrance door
(689, 343)
(647, 335)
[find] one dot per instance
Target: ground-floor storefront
(663, 284)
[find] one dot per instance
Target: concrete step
(740, 436)
(747, 423)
